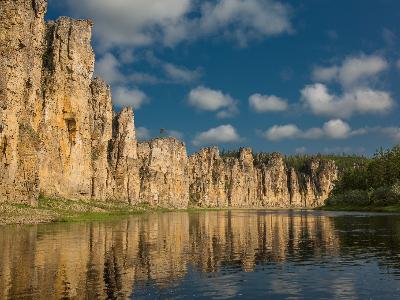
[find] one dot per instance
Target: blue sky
(289, 76)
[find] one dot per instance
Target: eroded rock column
(164, 178)
(124, 165)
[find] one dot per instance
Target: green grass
(51, 210)
(370, 208)
(77, 211)
(62, 210)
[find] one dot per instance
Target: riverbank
(61, 210)
(370, 208)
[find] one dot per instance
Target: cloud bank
(333, 129)
(265, 103)
(353, 70)
(139, 23)
(219, 135)
(318, 99)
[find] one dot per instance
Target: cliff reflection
(112, 259)
(108, 260)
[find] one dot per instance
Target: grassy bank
(369, 208)
(61, 210)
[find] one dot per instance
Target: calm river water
(224, 254)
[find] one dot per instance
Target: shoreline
(68, 211)
(370, 208)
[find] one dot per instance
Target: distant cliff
(59, 136)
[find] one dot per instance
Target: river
(208, 254)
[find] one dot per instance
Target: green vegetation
(373, 185)
(73, 211)
(300, 162)
(62, 210)
(343, 161)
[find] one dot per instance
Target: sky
(290, 76)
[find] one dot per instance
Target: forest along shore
(372, 185)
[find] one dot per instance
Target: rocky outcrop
(164, 177)
(264, 180)
(59, 136)
(101, 119)
(123, 159)
(22, 27)
(207, 179)
(65, 129)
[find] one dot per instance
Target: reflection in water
(210, 254)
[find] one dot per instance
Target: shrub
(349, 198)
(386, 195)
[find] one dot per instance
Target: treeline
(373, 183)
(343, 161)
(300, 162)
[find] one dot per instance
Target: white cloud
(137, 23)
(222, 134)
(353, 70)
(312, 133)
(265, 103)
(244, 19)
(333, 129)
(143, 78)
(107, 67)
(142, 133)
(277, 132)
(180, 74)
(123, 96)
(336, 129)
(207, 99)
(317, 98)
(325, 74)
(358, 68)
(131, 22)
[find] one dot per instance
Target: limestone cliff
(123, 159)
(65, 129)
(22, 29)
(164, 173)
(59, 136)
(101, 119)
(261, 181)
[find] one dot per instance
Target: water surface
(224, 254)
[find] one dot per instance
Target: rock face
(65, 129)
(59, 136)
(164, 177)
(261, 181)
(22, 29)
(101, 119)
(123, 158)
